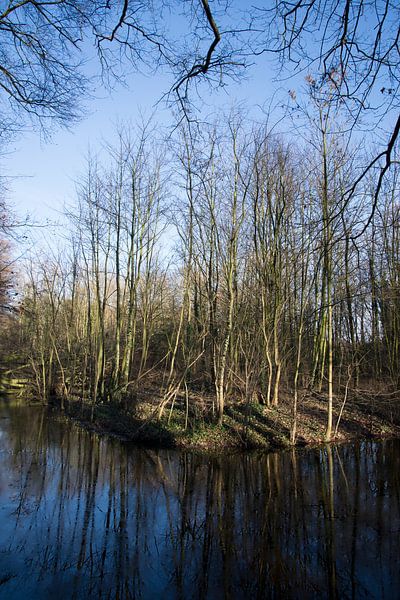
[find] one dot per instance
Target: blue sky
(42, 172)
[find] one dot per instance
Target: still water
(86, 517)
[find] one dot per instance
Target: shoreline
(245, 427)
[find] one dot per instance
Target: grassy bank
(245, 425)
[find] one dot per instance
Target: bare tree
(45, 43)
(352, 45)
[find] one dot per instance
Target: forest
(236, 270)
(227, 268)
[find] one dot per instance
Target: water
(82, 516)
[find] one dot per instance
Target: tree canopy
(354, 44)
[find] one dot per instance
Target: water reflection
(86, 517)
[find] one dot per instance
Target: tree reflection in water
(82, 516)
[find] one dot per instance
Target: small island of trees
(231, 276)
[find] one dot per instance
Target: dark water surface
(87, 517)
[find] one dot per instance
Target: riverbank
(246, 426)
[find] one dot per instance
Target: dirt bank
(245, 425)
